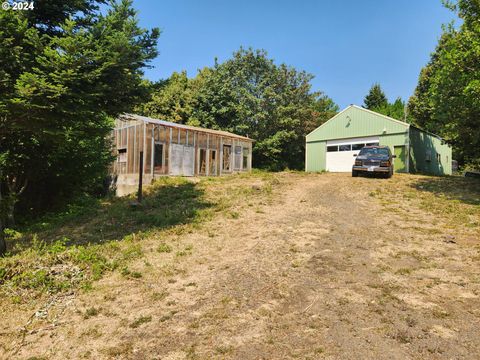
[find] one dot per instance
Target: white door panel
(176, 159)
(181, 160)
(188, 163)
(342, 161)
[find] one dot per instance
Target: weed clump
(140, 321)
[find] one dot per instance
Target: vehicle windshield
(372, 152)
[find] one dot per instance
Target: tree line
(248, 95)
(68, 69)
(446, 100)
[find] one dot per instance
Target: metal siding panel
(355, 122)
(315, 156)
(424, 150)
(394, 140)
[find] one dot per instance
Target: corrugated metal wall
(356, 122)
(429, 154)
(315, 158)
(353, 122)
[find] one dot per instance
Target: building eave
(182, 126)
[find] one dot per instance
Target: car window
(374, 151)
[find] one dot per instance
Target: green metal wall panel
(400, 161)
(426, 153)
(315, 158)
(429, 154)
(356, 122)
(396, 140)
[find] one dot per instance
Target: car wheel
(354, 174)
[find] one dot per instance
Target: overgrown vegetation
(248, 95)
(71, 250)
(453, 200)
(447, 98)
(66, 69)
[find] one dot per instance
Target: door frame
(405, 159)
(348, 141)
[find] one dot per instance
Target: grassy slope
(70, 250)
(453, 201)
(156, 256)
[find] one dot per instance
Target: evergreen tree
(65, 71)
(375, 98)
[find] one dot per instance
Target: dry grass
(296, 266)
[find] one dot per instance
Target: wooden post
(152, 151)
(3, 244)
(134, 147)
(220, 156)
(144, 150)
(207, 157)
(140, 179)
(170, 152)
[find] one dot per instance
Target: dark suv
(375, 160)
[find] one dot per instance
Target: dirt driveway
(332, 267)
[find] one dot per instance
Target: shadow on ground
(465, 190)
(165, 204)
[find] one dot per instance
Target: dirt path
(322, 272)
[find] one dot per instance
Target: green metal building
(332, 146)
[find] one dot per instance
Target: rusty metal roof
(181, 126)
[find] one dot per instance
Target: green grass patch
(454, 199)
(91, 312)
(164, 248)
(74, 248)
(140, 321)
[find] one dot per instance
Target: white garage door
(340, 152)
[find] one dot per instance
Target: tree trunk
(15, 190)
(11, 213)
(3, 244)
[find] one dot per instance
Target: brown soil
(325, 270)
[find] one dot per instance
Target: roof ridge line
(182, 126)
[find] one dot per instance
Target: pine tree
(65, 72)
(375, 98)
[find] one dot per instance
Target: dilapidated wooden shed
(174, 149)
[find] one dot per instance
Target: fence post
(140, 178)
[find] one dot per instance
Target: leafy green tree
(172, 100)
(252, 96)
(447, 97)
(375, 99)
(395, 110)
(65, 72)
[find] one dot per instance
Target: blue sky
(347, 45)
